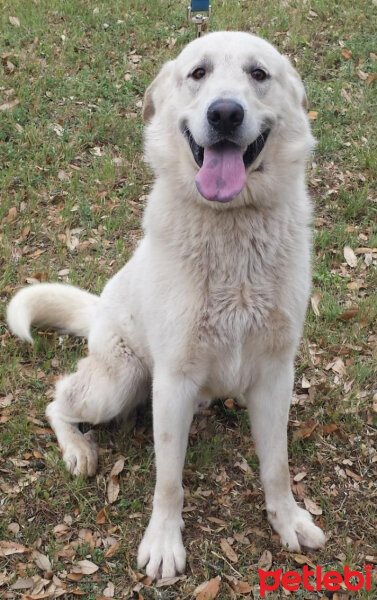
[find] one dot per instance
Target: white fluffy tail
(56, 305)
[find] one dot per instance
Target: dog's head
(222, 111)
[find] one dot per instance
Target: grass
(73, 188)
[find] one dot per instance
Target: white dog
(213, 300)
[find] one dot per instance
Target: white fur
(213, 300)
(63, 307)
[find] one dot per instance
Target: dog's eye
(259, 74)
(198, 73)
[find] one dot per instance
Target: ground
(73, 188)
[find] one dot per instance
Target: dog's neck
(225, 244)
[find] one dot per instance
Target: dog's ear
(156, 91)
(298, 86)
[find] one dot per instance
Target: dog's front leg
(162, 550)
(268, 402)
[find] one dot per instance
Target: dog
(213, 300)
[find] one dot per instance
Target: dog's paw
(296, 528)
(81, 454)
(161, 550)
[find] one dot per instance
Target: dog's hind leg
(111, 381)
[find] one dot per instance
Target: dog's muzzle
(223, 165)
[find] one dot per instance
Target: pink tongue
(222, 175)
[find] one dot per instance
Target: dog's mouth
(222, 173)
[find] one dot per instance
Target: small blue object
(199, 6)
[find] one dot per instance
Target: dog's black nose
(225, 115)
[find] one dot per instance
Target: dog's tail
(57, 305)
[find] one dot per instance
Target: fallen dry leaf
(14, 21)
(75, 576)
(243, 465)
(87, 536)
(337, 366)
(58, 129)
(9, 105)
(365, 249)
(353, 475)
(8, 548)
(87, 567)
(109, 590)
(228, 551)
(312, 507)
(242, 539)
(301, 559)
(362, 75)
(118, 467)
(96, 151)
(330, 428)
(71, 240)
(37, 596)
(101, 517)
(370, 558)
(13, 527)
(145, 579)
(208, 590)
(113, 489)
(312, 115)
(19, 462)
(305, 430)
(217, 521)
(345, 95)
(23, 583)
(113, 549)
(118, 161)
(61, 530)
(41, 560)
(63, 176)
(9, 67)
(166, 581)
(171, 43)
(6, 401)
(240, 587)
(346, 53)
(350, 256)
(229, 403)
(265, 561)
(348, 314)
(12, 214)
(314, 301)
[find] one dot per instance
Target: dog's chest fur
(241, 278)
(236, 260)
